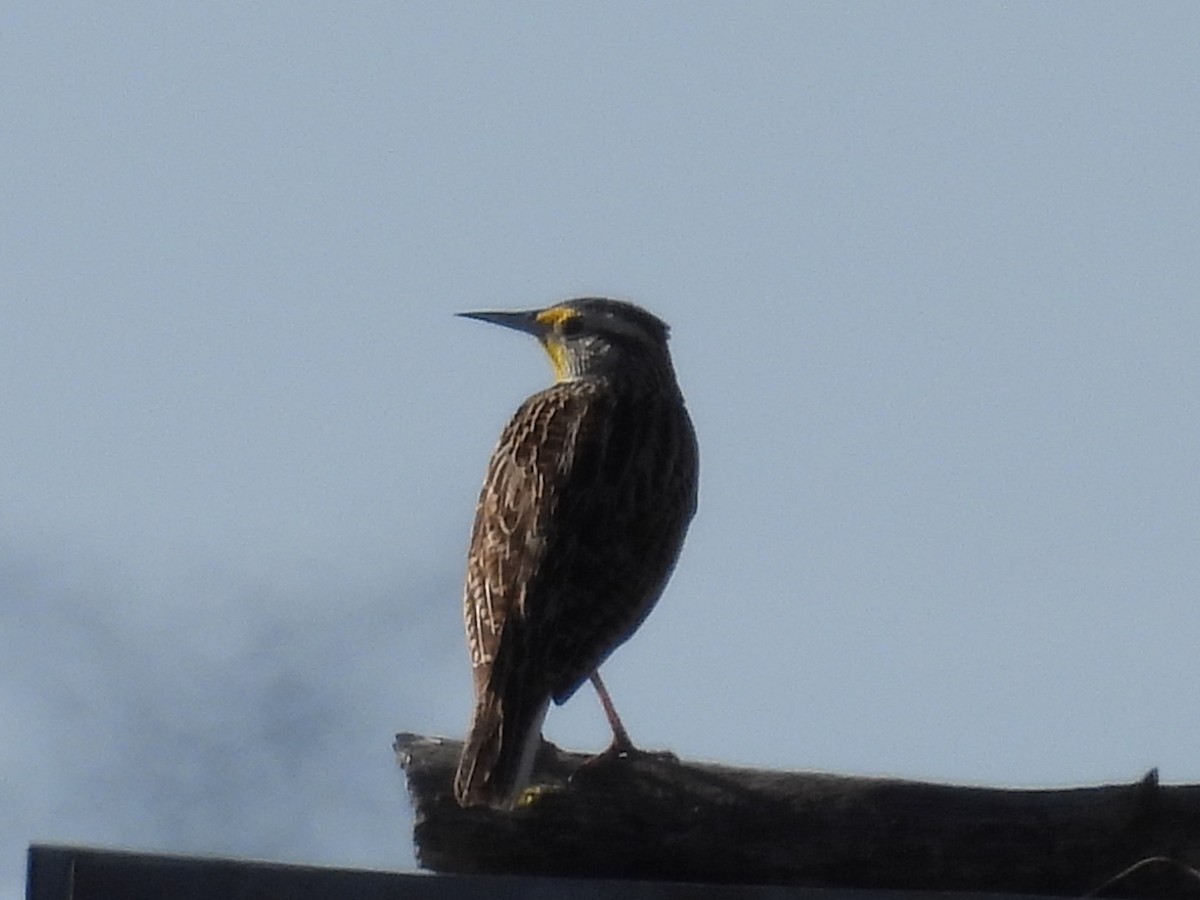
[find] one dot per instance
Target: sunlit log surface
(654, 817)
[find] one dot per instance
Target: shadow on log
(656, 818)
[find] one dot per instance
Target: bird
(584, 508)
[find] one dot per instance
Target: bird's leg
(621, 744)
(621, 747)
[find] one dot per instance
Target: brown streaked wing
(520, 492)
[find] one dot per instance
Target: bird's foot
(623, 751)
(620, 748)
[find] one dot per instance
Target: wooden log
(653, 817)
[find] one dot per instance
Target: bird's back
(613, 539)
(582, 514)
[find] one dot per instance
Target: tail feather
(497, 759)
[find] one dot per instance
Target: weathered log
(652, 817)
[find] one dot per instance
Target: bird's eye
(572, 327)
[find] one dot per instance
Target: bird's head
(591, 335)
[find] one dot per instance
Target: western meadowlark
(583, 511)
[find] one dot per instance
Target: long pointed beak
(520, 321)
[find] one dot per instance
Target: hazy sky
(934, 282)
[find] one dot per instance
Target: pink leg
(621, 742)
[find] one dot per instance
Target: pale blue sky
(933, 278)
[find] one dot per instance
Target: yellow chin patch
(554, 317)
(558, 357)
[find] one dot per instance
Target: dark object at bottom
(78, 873)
